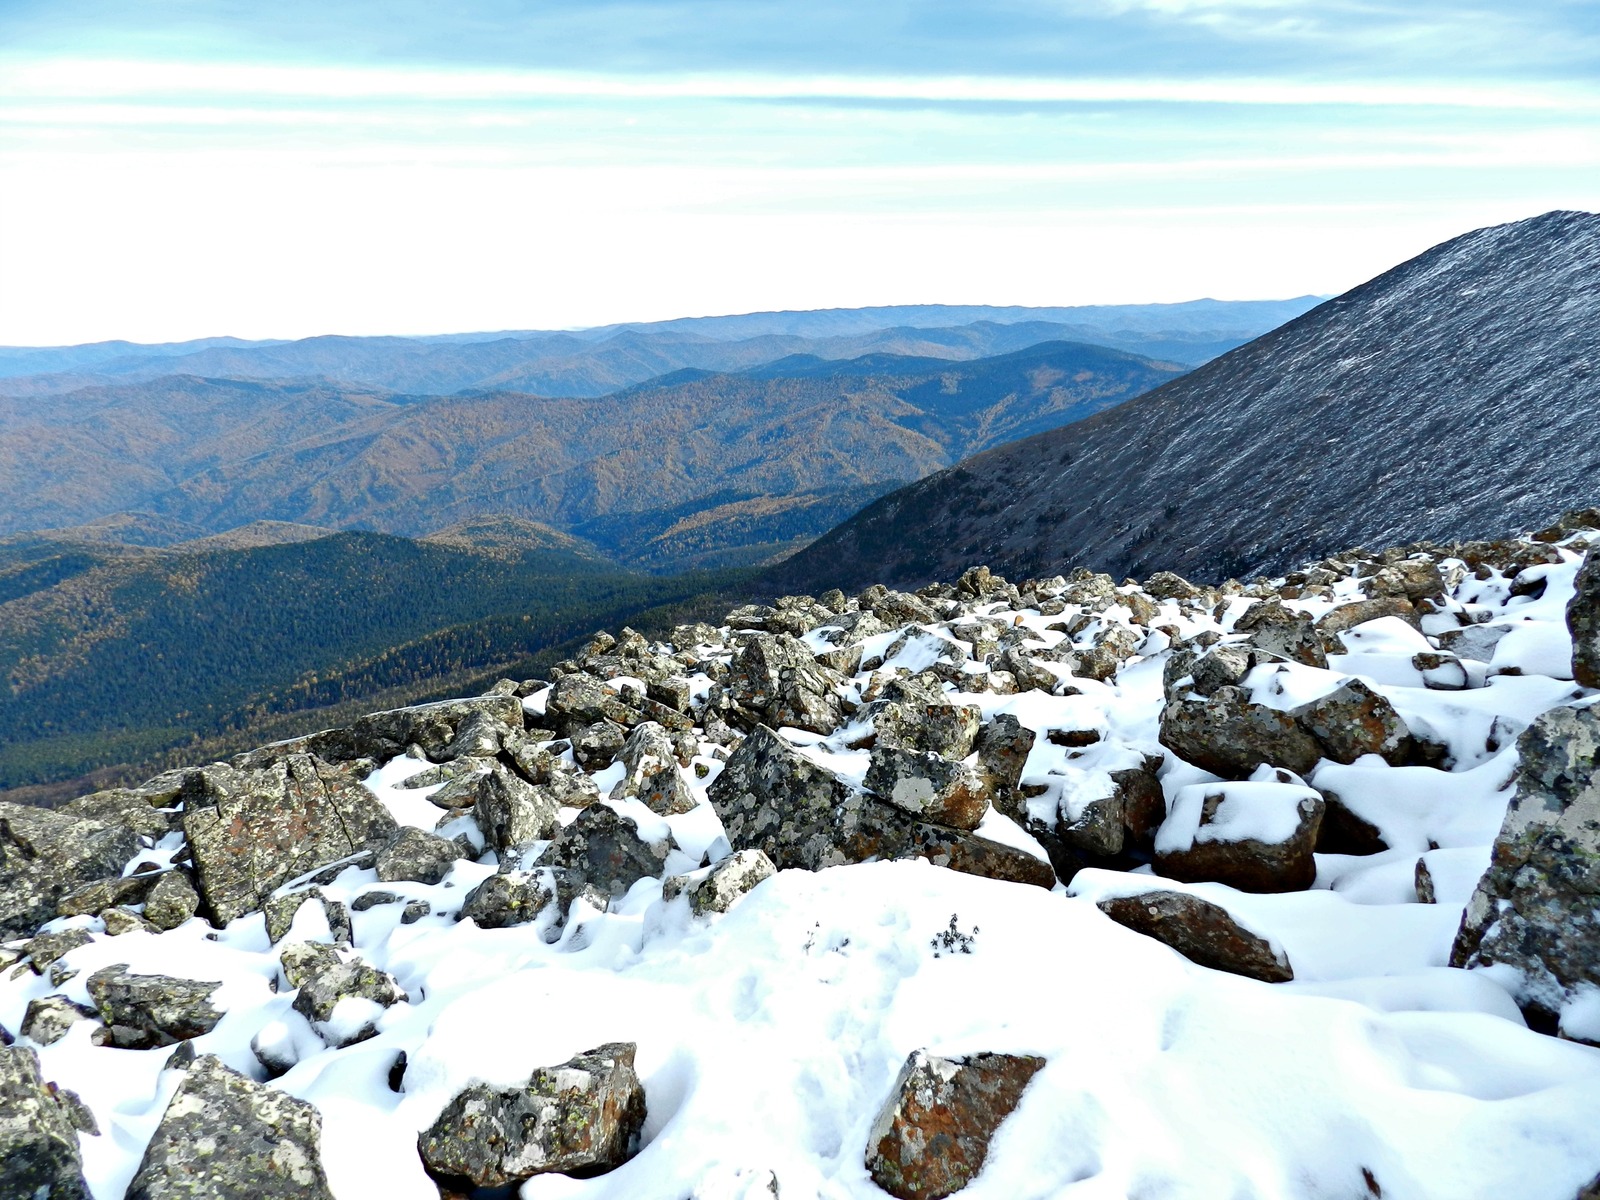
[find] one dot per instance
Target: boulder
(46, 948)
(1202, 932)
(1537, 908)
(172, 900)
(39, 1156)
(510, 811)
(777, 680)
(773, 799)
(339, 993)
(1256, 836)
(1003, 745)
(224, 1137)
(582, 1116)
(731, 878)
(144, 1011)
(49, 1017)
(91, 898)
(119, 921)
(1583, 619)
(928, 786)
(416, 855)
(1230, 735)
(932, 1136)
(948, 730)
(653, 777)
(280, 913)
(1347, 616)
(517, 898)
(579, 700)
(604, 848)
(381, 736)
(250, 831)
(1352, 721)
(44, 855)
(1279, 633)
(131, 807)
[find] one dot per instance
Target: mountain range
(1452, 397)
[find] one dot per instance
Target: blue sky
(173, 170)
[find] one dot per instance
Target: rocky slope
(1450, 397)
(1046, 888)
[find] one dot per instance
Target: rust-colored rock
(1202, 932)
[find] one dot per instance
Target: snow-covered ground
(768, 1038)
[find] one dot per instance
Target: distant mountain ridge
(1453, 396)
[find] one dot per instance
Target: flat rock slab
(932, 1137)
(1202, 932)
(144, 1011)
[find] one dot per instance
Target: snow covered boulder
(1256, 836)
(49, 1017)
(340, 994)
(948, 730)
(1583, 619)
(653, 777)
(928, 786)
(224, 1137)
(582, 1116)
(281, 913)
(250, 831)
(1228, 734)
(605, 849)
(777, 681)
(144, 1011)
(932, 1137)
(580, 700)
(518, 898)
(1202, 932)
(1537, 909)
(39, 1157)
(44, 855)
(1353, 720)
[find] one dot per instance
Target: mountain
(596, 362)
(1453, 396)
(618, 471)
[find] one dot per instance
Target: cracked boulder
(39, 1156)
(223, 1137)
(651, 761)
(948, 730)
(511, 811)
(1280, 634)
(1256, 836)
(339, 993)
(381, 736)
(251, 831)
(1230, 735)
(583, 1116)
(141, 1012)
(44, 855)
(1537, 908)
(1583, 619)
(605, 848)
(777, 681)
(932, 1137)
(1202, 932)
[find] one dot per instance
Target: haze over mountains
(1451, 397)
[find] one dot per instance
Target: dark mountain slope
(1453, 396)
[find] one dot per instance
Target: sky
(172, 169)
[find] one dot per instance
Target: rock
(1164, 585)
(1280, 634)
(731, 878)
(595, 747)
(512, 812)
(653, 776)
(91, 898)
(1256, 836)
(144, 1011)
(1003, 745)
(1347, 616)
(604, 848)
(1224, 665)
(252, 830)
(49, 1017)
(1230, 735)
(384, 735)
(1441, 671)
(583, 1116)
(1353, 720)
(224, 1137)
(44, 855)
(778, 681)
(948, 730)
(1422, 881)
(1411, 578)
(581, 700)
(895, 609)
(1344, 831)
(47, 947)
(927, 786)
(416, 855)
(1583, 619)
(773, 799)
(502, 901)
(1537, 908)
(1144, 803)
(38, 1138)
(1202, 932)
(480, 735)
(172, 900)
(129, 807)
(932, 1137)
(339, 993)
(281, 911)
(119, 921)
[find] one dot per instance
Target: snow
(1257, 810)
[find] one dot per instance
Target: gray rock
(280, 912)
(1165, 585)
(1002, 746)
(49, 1017)
(326, 976)
(38, 1137)
(119, 921)
(1224, 665)
(595, 747)
(130, 807)
(384, 735)
(579, 700)
(144, 1011)
(502, 901)
(932, 1137)
(731, 878)
(927, 786)
(172, 900)
(512, 812)
(47, 947)
(1583, 619)
(653, 776)
(604, 848)
(773, 799)
(582, 1116)
(91, 898)
(1353, 720)
(44, 855)
(1537, 908)
(1230, 735)
(225, 1137)
(1279, 633)
(480, 735)
(1202, 932)
(778, 681)
(250, 831)
(416, 855)
(948, 730)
